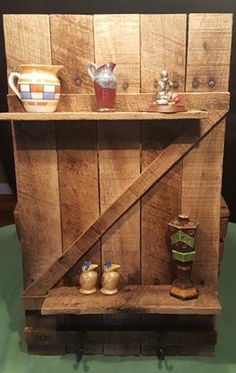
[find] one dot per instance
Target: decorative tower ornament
(88, 278)
(167, 101)
(181, 232)
(110, 278)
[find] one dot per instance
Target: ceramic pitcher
(37, 86)
(105, 85)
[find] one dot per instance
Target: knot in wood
(125, 85)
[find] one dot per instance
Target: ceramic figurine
(105, 85)
(88, 278)
(167, 101)
(110, 278)
(181, 232)
(37, 86)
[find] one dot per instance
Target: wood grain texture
(38, 197)
(76, 116)
(78, 182)
(125, 103)
(163, 46)
(119, 165)
(73, 47)
(201, 200)
(153, 173)
(116, 39)
(133, 298)
(158, 204)
(27, 40)
(209, 51)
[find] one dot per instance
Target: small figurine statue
(88, 278)
(182, 233)
(167, 101)
(164, 96)
(110, 278)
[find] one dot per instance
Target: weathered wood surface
(153, 173)
(209, 51)
(38, 197)
(157, 205)
(75, 116)
(116, 39)
(133, 299)
(201, 198)
(27, 40)
(161, 48)
(73, 47)
(153, 337)
(35, 154)
(119, 166)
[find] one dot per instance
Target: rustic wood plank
(73, 47)
(163, 46)
(159, 204)
(209, 51)
(133, 299)
(27, 40)
(116, 39)
(62, 116)
(119, 165)
(35, 154)
(201, 199)
(127, 103)
(153, 337)
(151, 175)
(78, 182)
(38, 197)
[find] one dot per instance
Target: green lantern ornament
(181, 232)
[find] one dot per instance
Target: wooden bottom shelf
(132, 299)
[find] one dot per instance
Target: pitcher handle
(91, 68)
(11, 81)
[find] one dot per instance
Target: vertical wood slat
(159, 205)
(119, 164)
(201, 191)
(27, 40)
(78, 182)
(73, 46)
(163, 46)
(209, 51)
(116, 39)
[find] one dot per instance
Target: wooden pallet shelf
(191, 114)
(151, 299)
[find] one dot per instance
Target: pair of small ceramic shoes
(89, 278)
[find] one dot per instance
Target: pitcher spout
(111, 65)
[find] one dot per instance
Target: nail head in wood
(195, 83)
(78, 81)
(125, 85)
(211, 83)
(175, 84)
(43, 338)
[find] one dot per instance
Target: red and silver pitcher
(104, 85)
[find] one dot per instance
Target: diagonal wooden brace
(152, 174)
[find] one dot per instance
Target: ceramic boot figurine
(110, 278)
(88, 278)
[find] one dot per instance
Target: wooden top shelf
(117, 115)
(133, 299)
